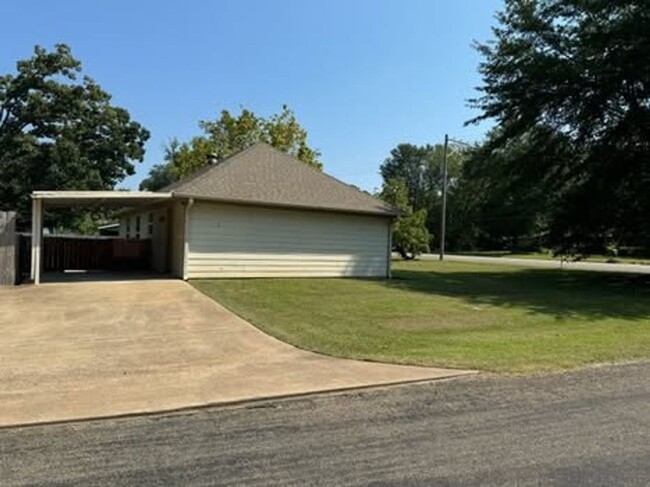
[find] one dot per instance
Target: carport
(68, 199)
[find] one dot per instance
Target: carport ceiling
(115, 199)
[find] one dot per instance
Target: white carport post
(186, 237)
(37, 238)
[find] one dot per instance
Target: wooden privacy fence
(8, 249)
(61, 253)
(24, 256)
(87, 253)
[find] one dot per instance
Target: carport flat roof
(104, 198)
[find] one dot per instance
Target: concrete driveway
(96, 349)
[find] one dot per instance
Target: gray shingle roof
(264, 175)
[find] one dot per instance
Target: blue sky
(362, 76)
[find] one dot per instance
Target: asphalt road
(546, 264)
(590, 427)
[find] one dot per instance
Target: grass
(549, 256)
(483, 316)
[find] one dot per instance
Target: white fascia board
(90, 195)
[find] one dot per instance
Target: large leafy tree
(410, 234)
(231, 133)
(160, 175)
(413, 165)
(580, 71)
(60, 132)
(420, 168)
(506, 196)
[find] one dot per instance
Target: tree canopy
(420, 169)
(568, 83)
(410, 234)
(230, 133)
(505, 196)
(160, 175)
(60, 132)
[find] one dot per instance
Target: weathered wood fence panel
(130, 254)
(8, 252)
(72, 253)
(61, 253)
(24, 256)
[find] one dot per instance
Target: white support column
(186, 236)
(389, 250)
(37, 237)
(32, 270)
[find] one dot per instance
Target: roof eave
(52, 194)
(380, 213)
(98, 198)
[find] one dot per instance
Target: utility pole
(443, 216)
(445, 184)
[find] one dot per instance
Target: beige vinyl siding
(246, 241)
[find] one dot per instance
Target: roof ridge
(203, 170)
(323, 173)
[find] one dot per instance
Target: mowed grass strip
(490, 317)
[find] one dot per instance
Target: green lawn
(491, 317)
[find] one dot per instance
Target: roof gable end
(263, 175)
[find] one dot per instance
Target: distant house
(258, 213)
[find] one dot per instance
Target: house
(258, 213)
